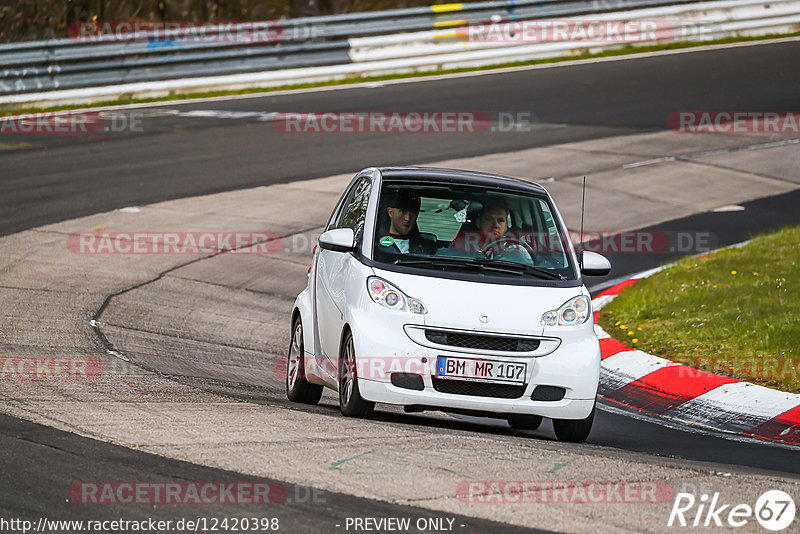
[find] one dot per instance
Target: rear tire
(298, 389)
(574, 430)
(524, 422)
(350, 401)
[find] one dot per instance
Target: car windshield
(471, 228)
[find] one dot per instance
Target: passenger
(404, 237)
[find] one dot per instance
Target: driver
(493, 221)
(491, 224)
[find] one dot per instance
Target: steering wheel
(506, 241)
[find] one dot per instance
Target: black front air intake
(548, 393)
(478, 389)
(408, 381)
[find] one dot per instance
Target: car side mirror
(338, 240)
(594, 264)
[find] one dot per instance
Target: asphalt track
(176, 157)
(40, 463)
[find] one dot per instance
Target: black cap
(405, 199)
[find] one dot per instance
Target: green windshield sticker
(387, 241)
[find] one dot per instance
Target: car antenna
(583, 206)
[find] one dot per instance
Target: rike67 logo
(774, 510)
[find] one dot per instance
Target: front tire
(350, 401)
(574, 430)
(298, 389)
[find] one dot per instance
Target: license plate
(481, 370)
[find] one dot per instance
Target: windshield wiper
(440, 262)
(502, 266)
(519, 267)
(458, 263)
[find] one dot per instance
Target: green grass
(10, 109)
(733, 313)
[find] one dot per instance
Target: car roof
(459, 176)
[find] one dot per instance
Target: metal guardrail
(336, 26)
(694, 22)
(313, 41)
(29, 54)
(389, 41)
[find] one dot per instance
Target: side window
(555, 245)
(354, 211)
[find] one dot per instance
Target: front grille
(478, 389)
(482, 342)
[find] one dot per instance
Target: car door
(331, 274)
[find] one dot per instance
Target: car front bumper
(574, 366)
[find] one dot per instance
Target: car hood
(461, 304)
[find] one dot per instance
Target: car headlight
(573, 312)
(390, 297)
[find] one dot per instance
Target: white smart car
(449, 290)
